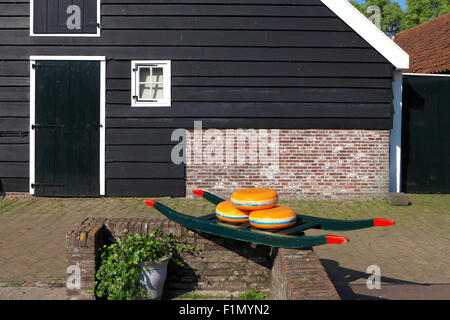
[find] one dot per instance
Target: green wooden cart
(292, 237)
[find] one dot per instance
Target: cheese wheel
(255, 198)
(226, 211)
(273, 218)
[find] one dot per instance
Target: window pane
(144, 74)
(144, 92)
(157, 91)
(157, 75)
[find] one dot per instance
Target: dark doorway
(67, 128)
(426, 134)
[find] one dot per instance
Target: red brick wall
(312, 164)
(298, 275)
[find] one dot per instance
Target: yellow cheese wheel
(226, 211)
(255, 198)
(273, 218)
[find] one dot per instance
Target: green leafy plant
(252, 295)
(118, 275)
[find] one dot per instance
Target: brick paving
(414, 251)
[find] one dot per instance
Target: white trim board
(102, 119)
(369, 32)
(97, 34)
(395, 139)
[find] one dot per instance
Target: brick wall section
(313, 164)
(298, 275)
(220, 267)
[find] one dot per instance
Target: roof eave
(369, 32)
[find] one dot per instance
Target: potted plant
(136, 268)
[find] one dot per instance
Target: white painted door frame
(102, 61)
(395, 152)
(395, 160)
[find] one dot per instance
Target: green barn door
(67, 133)
(426, 134)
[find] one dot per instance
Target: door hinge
(51, 126)
(37, 185)
(95, 125)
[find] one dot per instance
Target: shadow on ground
(343, 277)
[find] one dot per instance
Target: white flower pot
(153, 277)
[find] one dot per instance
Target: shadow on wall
(2, 192)
(342, 277)
(184, 279)
(260, 254)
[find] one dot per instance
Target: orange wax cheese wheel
(226, 211)
(255, 198)
(273, 218)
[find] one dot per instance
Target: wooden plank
(222, 23)
(254, 110)
(14, 9)
(208, 217)
(14, 81)
(199, 53)
(14, 94)
(14, 152)
(232, 38)
(14, 184)
(215, 10)
(299, 228)
(14, 22)
(145, 187)
(15, 68)
(144, 170)
(14, 124)
(147, 153)
(257, 2)
(256, 123)
(14, 137)
(262, 82)
(14, 109)
(121, 69)
(312, 95)
(14, 169)
(138, 136)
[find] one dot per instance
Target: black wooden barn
(90, 91)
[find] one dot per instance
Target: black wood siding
(235, 64)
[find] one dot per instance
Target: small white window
(150, 83)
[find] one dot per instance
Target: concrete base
(398, 199)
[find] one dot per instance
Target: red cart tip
(332, 239)
(198, 193)
(383, 222)
(150, 203)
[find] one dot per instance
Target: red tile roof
(428, 45)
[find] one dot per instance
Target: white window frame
(102, 60)
(32, 34)
(166, 65)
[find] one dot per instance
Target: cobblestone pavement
(33, 293)
(414, 251)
